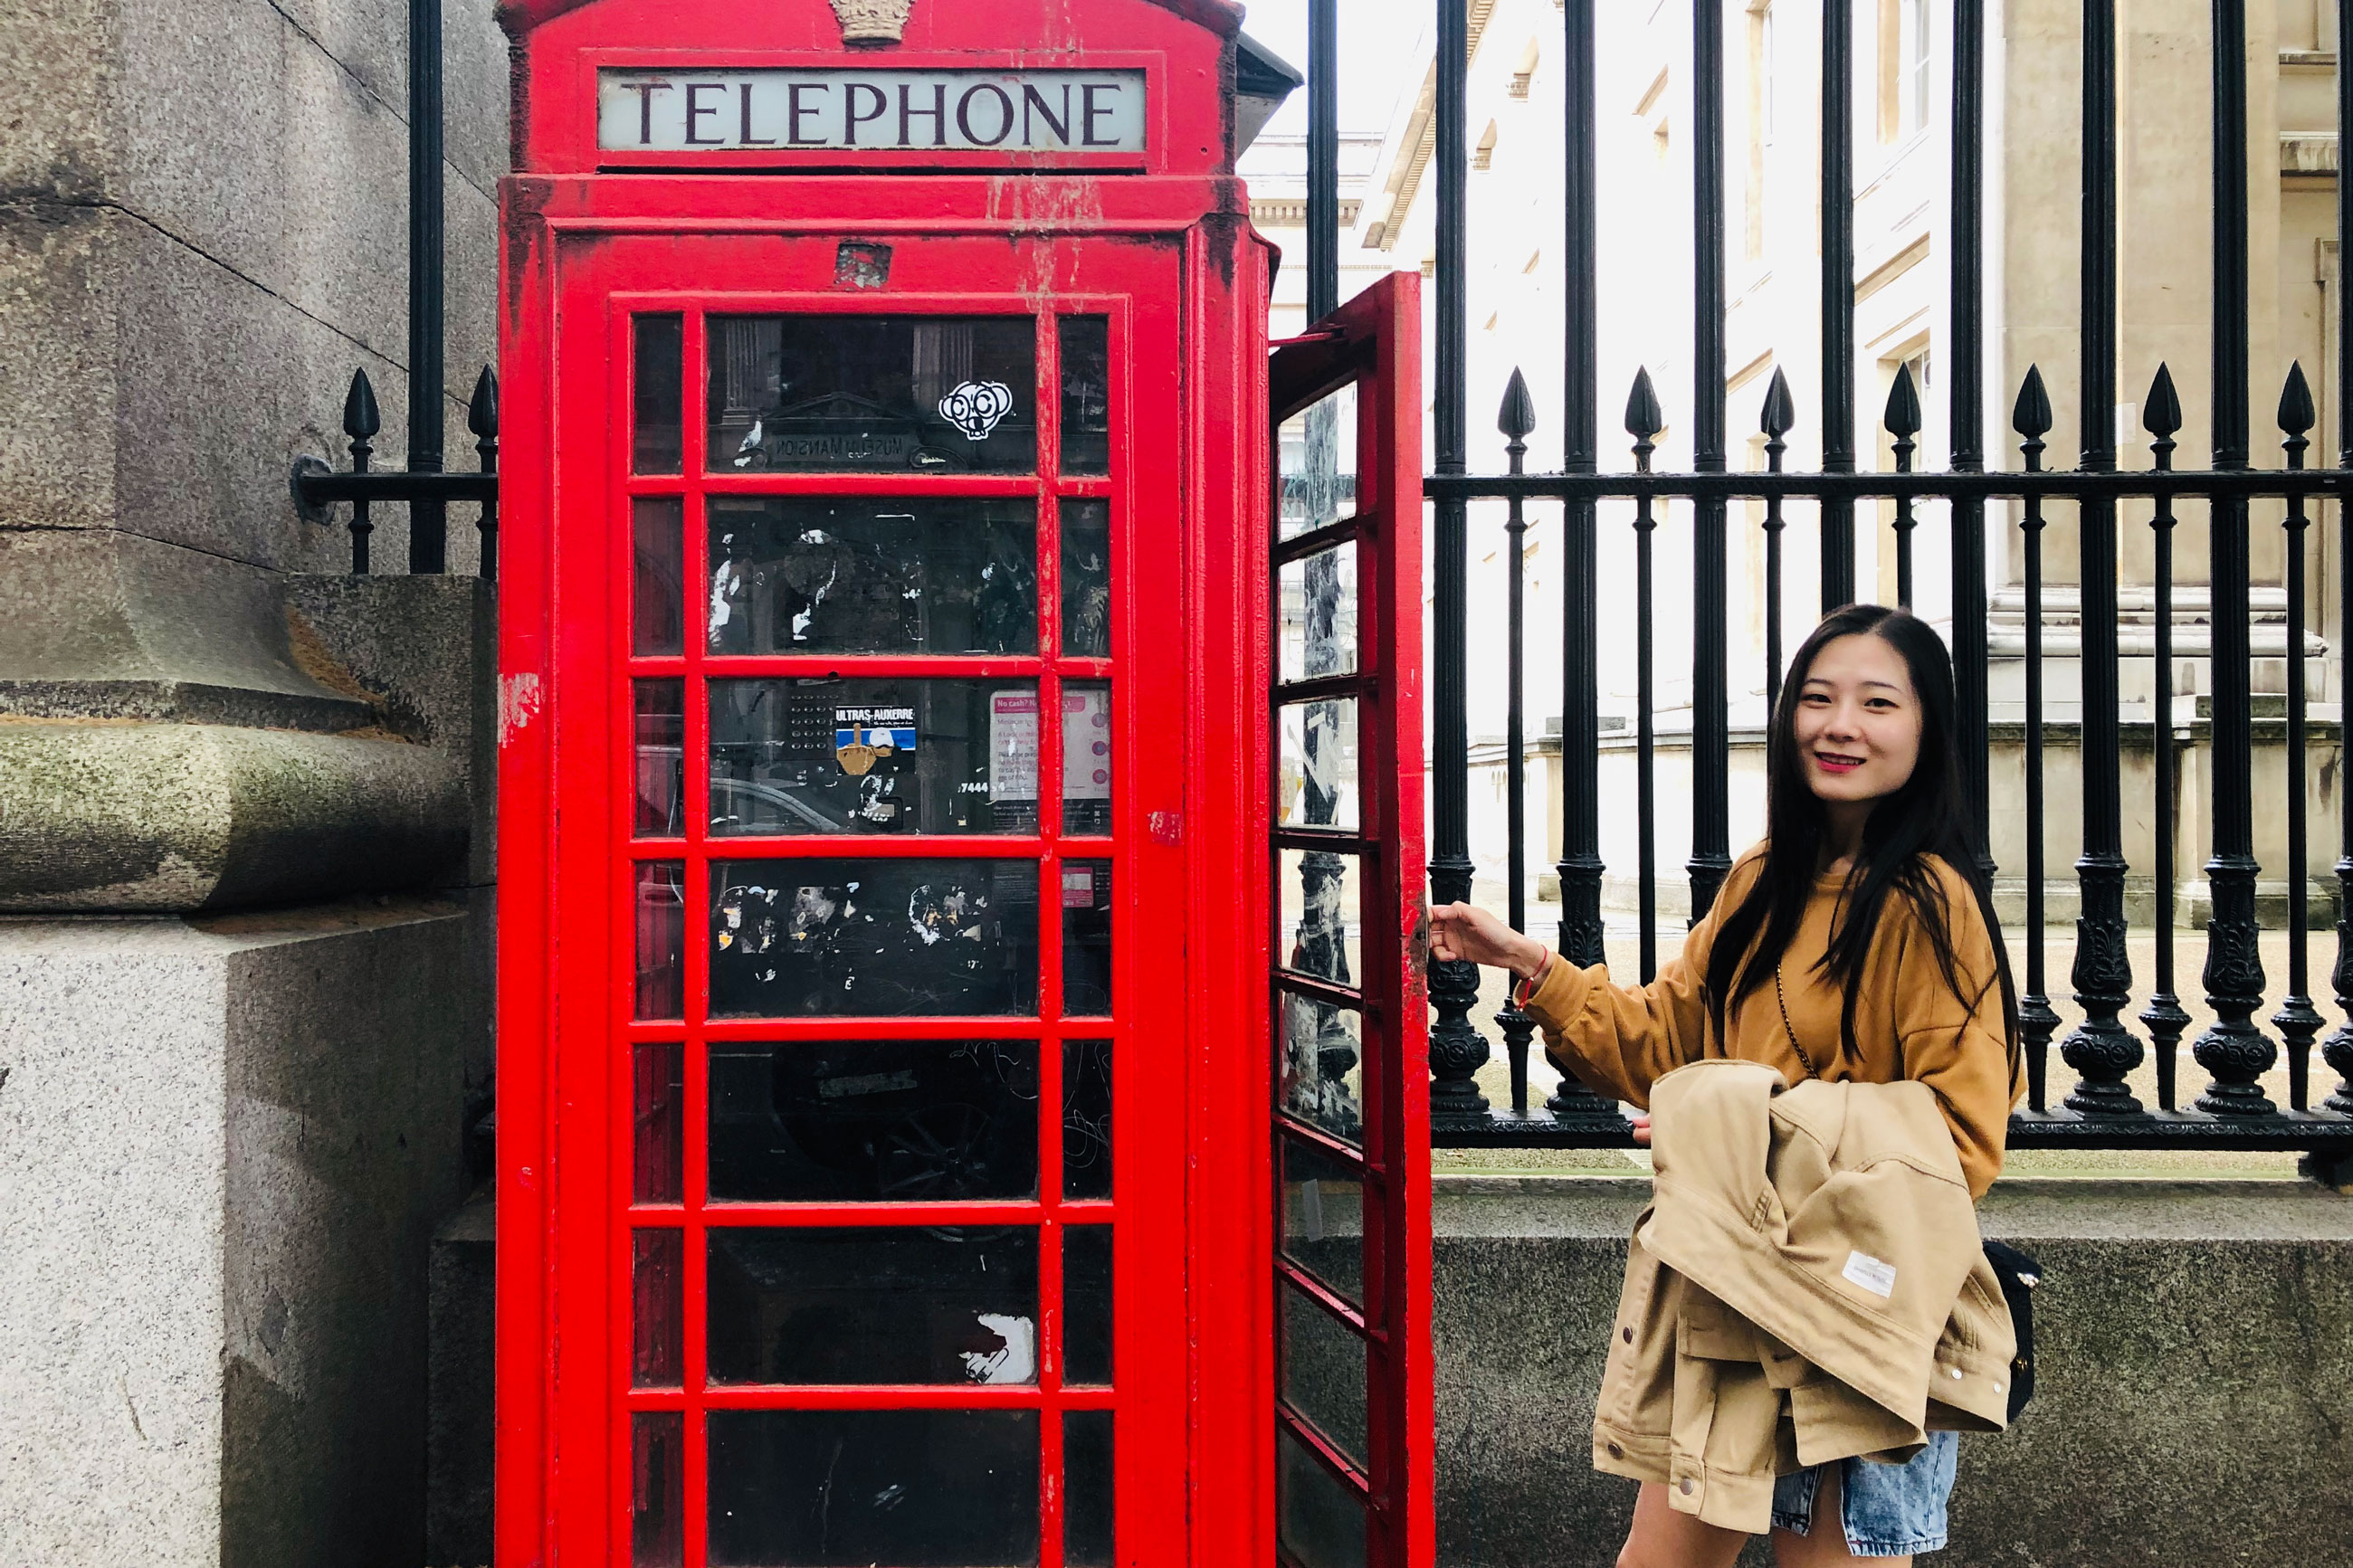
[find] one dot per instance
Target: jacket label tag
(1869, 1272)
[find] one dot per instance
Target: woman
(1854, 944)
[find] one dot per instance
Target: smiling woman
(1853, 945)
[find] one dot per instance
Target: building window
(1914, 47)
(1760, 127)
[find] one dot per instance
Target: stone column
(245, 846)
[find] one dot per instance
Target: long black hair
(1929, 816)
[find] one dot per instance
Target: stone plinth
(224, 1148)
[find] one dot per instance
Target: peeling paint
(519, 702)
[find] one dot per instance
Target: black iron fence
(2100, 1110)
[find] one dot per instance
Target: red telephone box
(961, 1029)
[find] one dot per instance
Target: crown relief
(872, 21)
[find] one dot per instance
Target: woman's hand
(1464, 934)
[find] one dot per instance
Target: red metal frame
(1163, 248)
(1372, 343)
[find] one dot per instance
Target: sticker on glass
(975, 407)
(866, 738)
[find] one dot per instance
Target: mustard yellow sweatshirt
(1908, 1024)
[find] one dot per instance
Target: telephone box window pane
(884, 938)
(1322, 931)
(1322, 1056)
(1086, 1303)
(662, 759)
(657, 1356)
(1323, 1216)
(1320, 1520)
(873, 394)
(873, 574)
(1086, 394)
(1087, 1489)
(1323, 1370)
(657, 621)
(1086, 938)
(1086, 579)
(891, 755)
(661, 939)
(917, 1488)
(899, 1304)
(659, 376)
(660, 1122)
(1086, 757)
(1318, 606)
(656, 1485)
(1318, 454)
(1318, 785)
(1086, 1119)
(873, 1121)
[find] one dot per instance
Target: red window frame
(603, 284)
(1372, 343)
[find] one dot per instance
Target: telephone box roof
(521, 17)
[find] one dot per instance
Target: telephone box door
(1353, 1439)
(876, 1183)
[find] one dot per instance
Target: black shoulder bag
(2019, 1275)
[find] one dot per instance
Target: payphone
(954, 1110)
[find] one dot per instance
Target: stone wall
(2195, 1373)
(246, 847)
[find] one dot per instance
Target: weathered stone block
(224, 1148)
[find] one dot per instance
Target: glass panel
(1323, 1216)
(1086, 394)
(656, 1485)
(869, 1120)
(1320, 1520)
(662, 759)
(1316, 786)
(874, 1305)
(1086, 1119)
(661, 1120)
(886, 938)
(657, 1354)
(916, 1489)
(1086, 938)
(658, 395)
(873, 756)
(1086, 578)
(1318, 891)
(661, 939)
(1323, 1059)
(657, 604)
(880, 575)
(1087, 1489)
(873, 394)
(1086, 757)
(1318, 606)
(1086, 1303)
(1318, 449)
(1323, 1370)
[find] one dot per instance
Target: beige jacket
(1807, 1285)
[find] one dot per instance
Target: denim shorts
(1888, 1511)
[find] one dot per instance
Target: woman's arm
(1958, 1048)
(1616, 1038)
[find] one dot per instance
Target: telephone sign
(954, 1111)
(902, 112)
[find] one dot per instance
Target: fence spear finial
(1903, 416)
(1779, 413)
(2296, 415)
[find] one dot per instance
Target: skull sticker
(975, 407)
